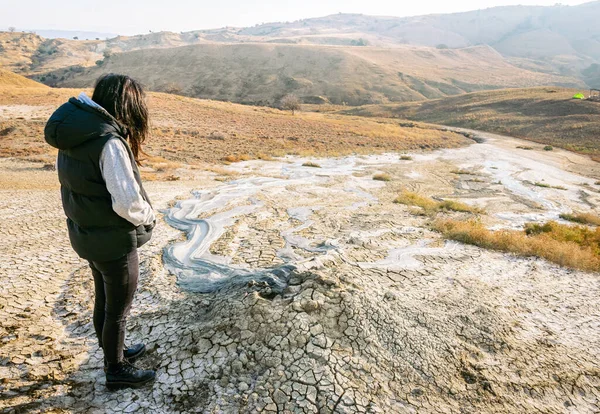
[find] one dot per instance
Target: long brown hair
(124, 98)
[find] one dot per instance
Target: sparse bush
(265, 157)
(311, 164)
(173, 88)
(237, 158)
(290, 103)
(462, 172)
(548, 148)
(217, 136)
(442, 46)
(47, 48)
(406, 157)
(432, 206)
(7, 131)
(544, 185)
(359, 42)
(524, 148)
(382, 177)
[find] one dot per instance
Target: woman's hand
(149, 227)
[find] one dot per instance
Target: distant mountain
(70, 34)
(558, 39)
(521, 31)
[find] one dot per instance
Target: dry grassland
(191, 131)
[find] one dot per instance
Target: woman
(108, 212)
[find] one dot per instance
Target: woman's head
(124, 99)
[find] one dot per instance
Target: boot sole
(114, 386)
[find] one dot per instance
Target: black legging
(115, 284)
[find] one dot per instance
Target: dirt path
(320, 294)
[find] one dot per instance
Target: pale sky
(139, 16)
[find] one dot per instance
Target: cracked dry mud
(320, 294)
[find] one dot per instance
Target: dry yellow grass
(582, 218)
(575, 247)
(160, 164)
(544, 185)
(10, 79)
(432, 206)
(237, 158)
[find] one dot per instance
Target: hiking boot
(131, 354)
(134, 353)
(126, 375)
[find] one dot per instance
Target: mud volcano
(308, 291)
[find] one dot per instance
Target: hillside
(12, 80)
(543, 115)
(262, 74)
(31, 54)
(513, 30)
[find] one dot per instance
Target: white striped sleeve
(127, 200)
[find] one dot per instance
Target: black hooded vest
(96, 232)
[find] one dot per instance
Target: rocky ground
(320, 294)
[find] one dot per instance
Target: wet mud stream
(514, 186)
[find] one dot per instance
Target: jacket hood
(75, 123)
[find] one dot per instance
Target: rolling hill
(513, 30)
(543, 115)
(263, 73)
(12, 80)
(342, 58)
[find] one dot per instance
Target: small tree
(75, 38)
(290, 103)
(12, 29)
